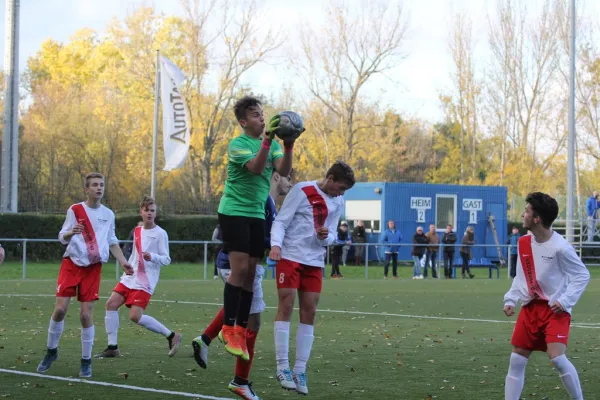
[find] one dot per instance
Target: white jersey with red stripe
(549, 271)
(305, 209)
(102, 220)
(145, 276)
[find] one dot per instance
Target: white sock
(515, 379)
(282, 344)
(304, 341)
(55, 330)
(111, 324)
(87, 342)
(153, 325)
(568, 375)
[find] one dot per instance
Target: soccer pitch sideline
(394, 339)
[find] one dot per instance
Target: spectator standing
(591, 208)
(346, 247)
(432, 251)
(513, 240)
(392, 237)
(448, 240)
(419, 241)
(343, 239)
(359, 236)
(468, 241)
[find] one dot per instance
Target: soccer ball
(291, 125)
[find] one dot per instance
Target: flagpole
(155, 130)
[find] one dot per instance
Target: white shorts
(258, 305)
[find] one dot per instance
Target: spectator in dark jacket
(359, 236)
(343, 239)
(468, 241)
(419, 239)
(448, 240)
(513, 240)
(391, 236)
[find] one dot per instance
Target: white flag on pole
(176, 122)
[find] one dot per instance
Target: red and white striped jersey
(549, 271)
(146, 273)
(305, 209)
(99, 236)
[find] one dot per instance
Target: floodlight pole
(571, 140)
(10, 139)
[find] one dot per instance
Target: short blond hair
(92, 175)
(146, 202)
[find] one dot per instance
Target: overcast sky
(419, 79)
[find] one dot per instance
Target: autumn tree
(358, 41)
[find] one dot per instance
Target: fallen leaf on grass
(124, 375)
(334, 383)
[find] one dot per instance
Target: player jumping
(305, 226)
(550, 279)
(252, 156)
(240, 385)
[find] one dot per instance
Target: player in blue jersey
(280, 186)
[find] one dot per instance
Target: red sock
(215, 326)
(242, 368)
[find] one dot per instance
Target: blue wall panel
(396, 205)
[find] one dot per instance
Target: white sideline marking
(588, 325)
(100, 383)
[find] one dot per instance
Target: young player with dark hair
(305, 226)
(252, 157)
(550, 280)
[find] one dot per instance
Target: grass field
(375, 339)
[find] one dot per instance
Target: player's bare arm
(116, 251)
(283, 165)
(77, 229)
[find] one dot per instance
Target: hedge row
(193, 227)
(38, 226)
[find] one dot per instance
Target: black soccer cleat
(49, 358)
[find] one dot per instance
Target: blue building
(419, 204)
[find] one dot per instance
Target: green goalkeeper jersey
(245, 192)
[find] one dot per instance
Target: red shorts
(293, 275)
(81, 281)
(133, 297)
(537, 326)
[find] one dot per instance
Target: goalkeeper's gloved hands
(272, 127)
